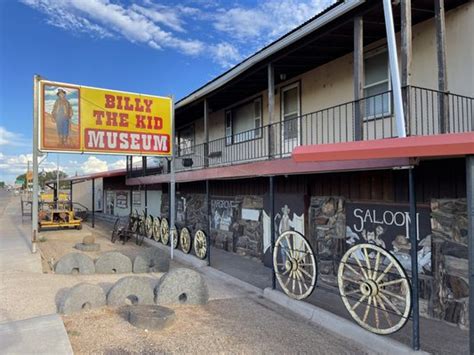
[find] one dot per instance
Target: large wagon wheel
(149, 226)
(200, 244)
(175, 238)
(115, 231)
(156, 228)
(165, 231)
(185, 240)
(294, 264)
(134, 219)
(141, 224)
(374, 288)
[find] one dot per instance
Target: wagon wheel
(165, 231)
(156, 228)
(200, 244)
(115, 231)
(374, 288)
(175, 238)
(185, 240)
(149, 226)
(141, 224)
(294, 264)
(134, 221)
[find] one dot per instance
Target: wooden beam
(271, 106)
(358, 75)
(206, 132)
(406, 43)
(441, 57)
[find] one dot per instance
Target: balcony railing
(427, 112)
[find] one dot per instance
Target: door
(290, 112)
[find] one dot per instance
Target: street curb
(232, 280)
(367, 340)
(178, 255)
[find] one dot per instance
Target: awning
(436, 146)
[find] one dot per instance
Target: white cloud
(119, 164)
(225, 54)
(94, 165)
(12, 139)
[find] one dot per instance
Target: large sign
(83, 119)
(387, 225)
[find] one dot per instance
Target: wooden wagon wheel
(115, 231)
(185, 240)
(295, 265)
(156, 228)
(374, 288)
(165, 231)
(141, 223)
(200, 244)
(175, 238)
(149, 226)
(134, 219)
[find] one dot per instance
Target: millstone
(130, 290)
(181, 286)
(75, 263)
(82, 297)
(88, 239)
(87, 247)
(151, 260)
(150, 316)
(113, 263)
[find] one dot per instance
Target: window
(377, 83)
(290, 111)
(244, 122)
(186, 140)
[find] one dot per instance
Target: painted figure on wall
(62, 114)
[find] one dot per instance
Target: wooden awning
(436, 146)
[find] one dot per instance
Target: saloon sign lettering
(90, 120)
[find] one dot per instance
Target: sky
(155, 47)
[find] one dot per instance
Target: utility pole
(34, 199)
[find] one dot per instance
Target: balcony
(427, 112)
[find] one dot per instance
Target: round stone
(113, 263)
(88, 239)
(87, 247)
(181, 286)
(151, 260)
(82, 297)
(75, 263)
(130, 290)
(150, 316)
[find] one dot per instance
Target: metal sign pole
(394, 73)
(414, 260)
(34, 198)
(470, 234)
(172, 183)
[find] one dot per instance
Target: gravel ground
(238, 325)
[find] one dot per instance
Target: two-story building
(328, 82)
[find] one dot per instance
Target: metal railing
(427, 112)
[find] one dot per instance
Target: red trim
(442, 145)
(268, 168)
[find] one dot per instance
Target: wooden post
(206, 134)
(442, 74)
(470, 235)
(358, 77)
(406, 37)
(271, 106)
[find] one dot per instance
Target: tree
(45, 176)
(2, 184)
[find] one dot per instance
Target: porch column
(271, 107)
(441, 57)
(146, 200)
(470, 237)
(358, 77)
(206, 133)
(93, 203)
(414, 260)
(131, 199)
(208, 229)
(406, 44)
(272, 224)
(144, 166)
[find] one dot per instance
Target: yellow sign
(89, 120)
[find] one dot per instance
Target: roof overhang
(436, 146)
(82, 178)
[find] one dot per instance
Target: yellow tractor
(57, 214)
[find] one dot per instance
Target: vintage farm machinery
(373, 285)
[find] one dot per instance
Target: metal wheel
(165, 231)
(134, 221)
(185, 240)
(175, 238)
(156, 228)
(295, 265)
(200, 244)
(149, 226)
(115, 231)
(374, 288)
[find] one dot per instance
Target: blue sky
(149, 46)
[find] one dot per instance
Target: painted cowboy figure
(62, 114)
